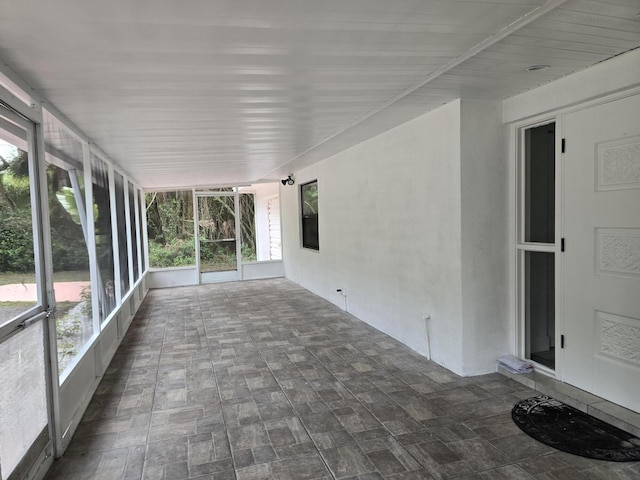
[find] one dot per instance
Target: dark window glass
(123, 254)
(140, 231)
(104, 245)
(309, 207)
(134, 231)
(540, 307)
(539, 195)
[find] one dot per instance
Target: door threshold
(586, 402)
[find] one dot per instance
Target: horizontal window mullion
(21, 323)
(537, 247)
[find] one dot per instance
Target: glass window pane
(309, 199)
(18, 292)
(71, 275)
(69, 237)
(134, 231)
(248, 227)
(123, 254)
(23, 400)
(539, 195)
(104, 246)
(170, 229)
(539, 305)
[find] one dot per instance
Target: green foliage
(16, 242)
(17, 189)
(170, 229)
(67, 238)
(249, 252)
(67, 200)
(68, 256)
(177, 253)
(16, 232)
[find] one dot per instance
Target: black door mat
(565, 428)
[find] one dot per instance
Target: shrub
(16, 243)
(174, 254)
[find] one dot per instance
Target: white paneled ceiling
(201, 92)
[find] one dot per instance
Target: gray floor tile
(348, 461)
(264, 380)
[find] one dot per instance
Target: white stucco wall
(389, 226)
(419, 221)
(485, 238)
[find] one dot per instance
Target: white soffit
(213, 92)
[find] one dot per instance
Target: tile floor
(264, 380)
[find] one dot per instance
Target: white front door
(601, 262)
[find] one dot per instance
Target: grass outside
(10, 278)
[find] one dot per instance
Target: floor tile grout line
(215, 376)
(490, 469)
(153, 401)
(346, 388)
(376, 362)
(385, 359)
(340, 382)
(381, 366)
(293, 409)
(127, 463)
(367, 409)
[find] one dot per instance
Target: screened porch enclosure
(213, 235)
(75, 234)
(71, 279)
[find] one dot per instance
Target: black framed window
(309, 208)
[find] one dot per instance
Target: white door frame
(31, 122)
(519, 247)
(515, 129)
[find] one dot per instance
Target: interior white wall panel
(175, 277)
(259, 270)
